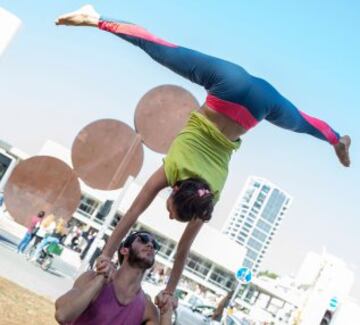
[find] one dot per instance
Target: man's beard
(135, 260)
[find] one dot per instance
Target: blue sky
(55, 80)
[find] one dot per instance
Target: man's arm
(73, 303)
(147, 194)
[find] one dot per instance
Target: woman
(55, 236)
(31, 231)
(196, 165)
(46, 227)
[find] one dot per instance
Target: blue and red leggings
(231, 90)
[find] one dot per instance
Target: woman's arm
(147, 194)
(152, 317)
(182, 251)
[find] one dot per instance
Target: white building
(9, 156)
(327, 281)
(347, 313)
(9, 24)
(256, 217)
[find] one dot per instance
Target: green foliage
(267, 274)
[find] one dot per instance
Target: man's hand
(105, 267)
(165, 301)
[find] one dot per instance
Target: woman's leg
(215, 74)
(228, 84)
(287, 116)
(39, 247)
(24, 242)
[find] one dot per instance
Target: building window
(263, 226)
(116, 220)
(247, 197)
(254, 244)
(256, 205)
(251, 254)
(273, 206)
(247, 225)
(103, 211)
(87, 206)
(221, 278)
(259, 235)
(166, 247)
(4, 164)
(243, 234)
(247, 263)
(261, 198)
(197, 265)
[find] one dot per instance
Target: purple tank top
(107, 310)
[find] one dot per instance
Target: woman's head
(41, 214)
(191, 199)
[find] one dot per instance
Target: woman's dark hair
(193, 199)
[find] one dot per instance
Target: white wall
(9, 24)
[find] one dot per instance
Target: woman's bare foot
(85, 16)
(342, 150)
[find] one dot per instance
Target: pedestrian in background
(30, 233)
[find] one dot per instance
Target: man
(95, 301)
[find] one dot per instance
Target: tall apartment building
(256, 217)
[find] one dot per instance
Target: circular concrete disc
(42, 183)
(105, 153)
(161, 114)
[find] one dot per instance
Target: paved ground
(16, 268)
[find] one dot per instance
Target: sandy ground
(21, 306)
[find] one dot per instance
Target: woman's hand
(105, 267)
(165, 300)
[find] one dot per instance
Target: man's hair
(41, 214)
(127, 242)
(193, 200)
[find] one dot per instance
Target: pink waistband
(238, 113)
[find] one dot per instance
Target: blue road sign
(333, 303)
(243, 275)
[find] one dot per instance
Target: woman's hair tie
(203, 191)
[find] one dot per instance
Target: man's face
(141, 254)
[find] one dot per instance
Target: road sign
(333, 303)
(243, 275)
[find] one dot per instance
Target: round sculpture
(105, 153)
(161, 114)
(42, 183)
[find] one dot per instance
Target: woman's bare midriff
(227, 126)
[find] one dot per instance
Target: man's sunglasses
(145, 238)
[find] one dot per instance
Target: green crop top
(200, 150)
